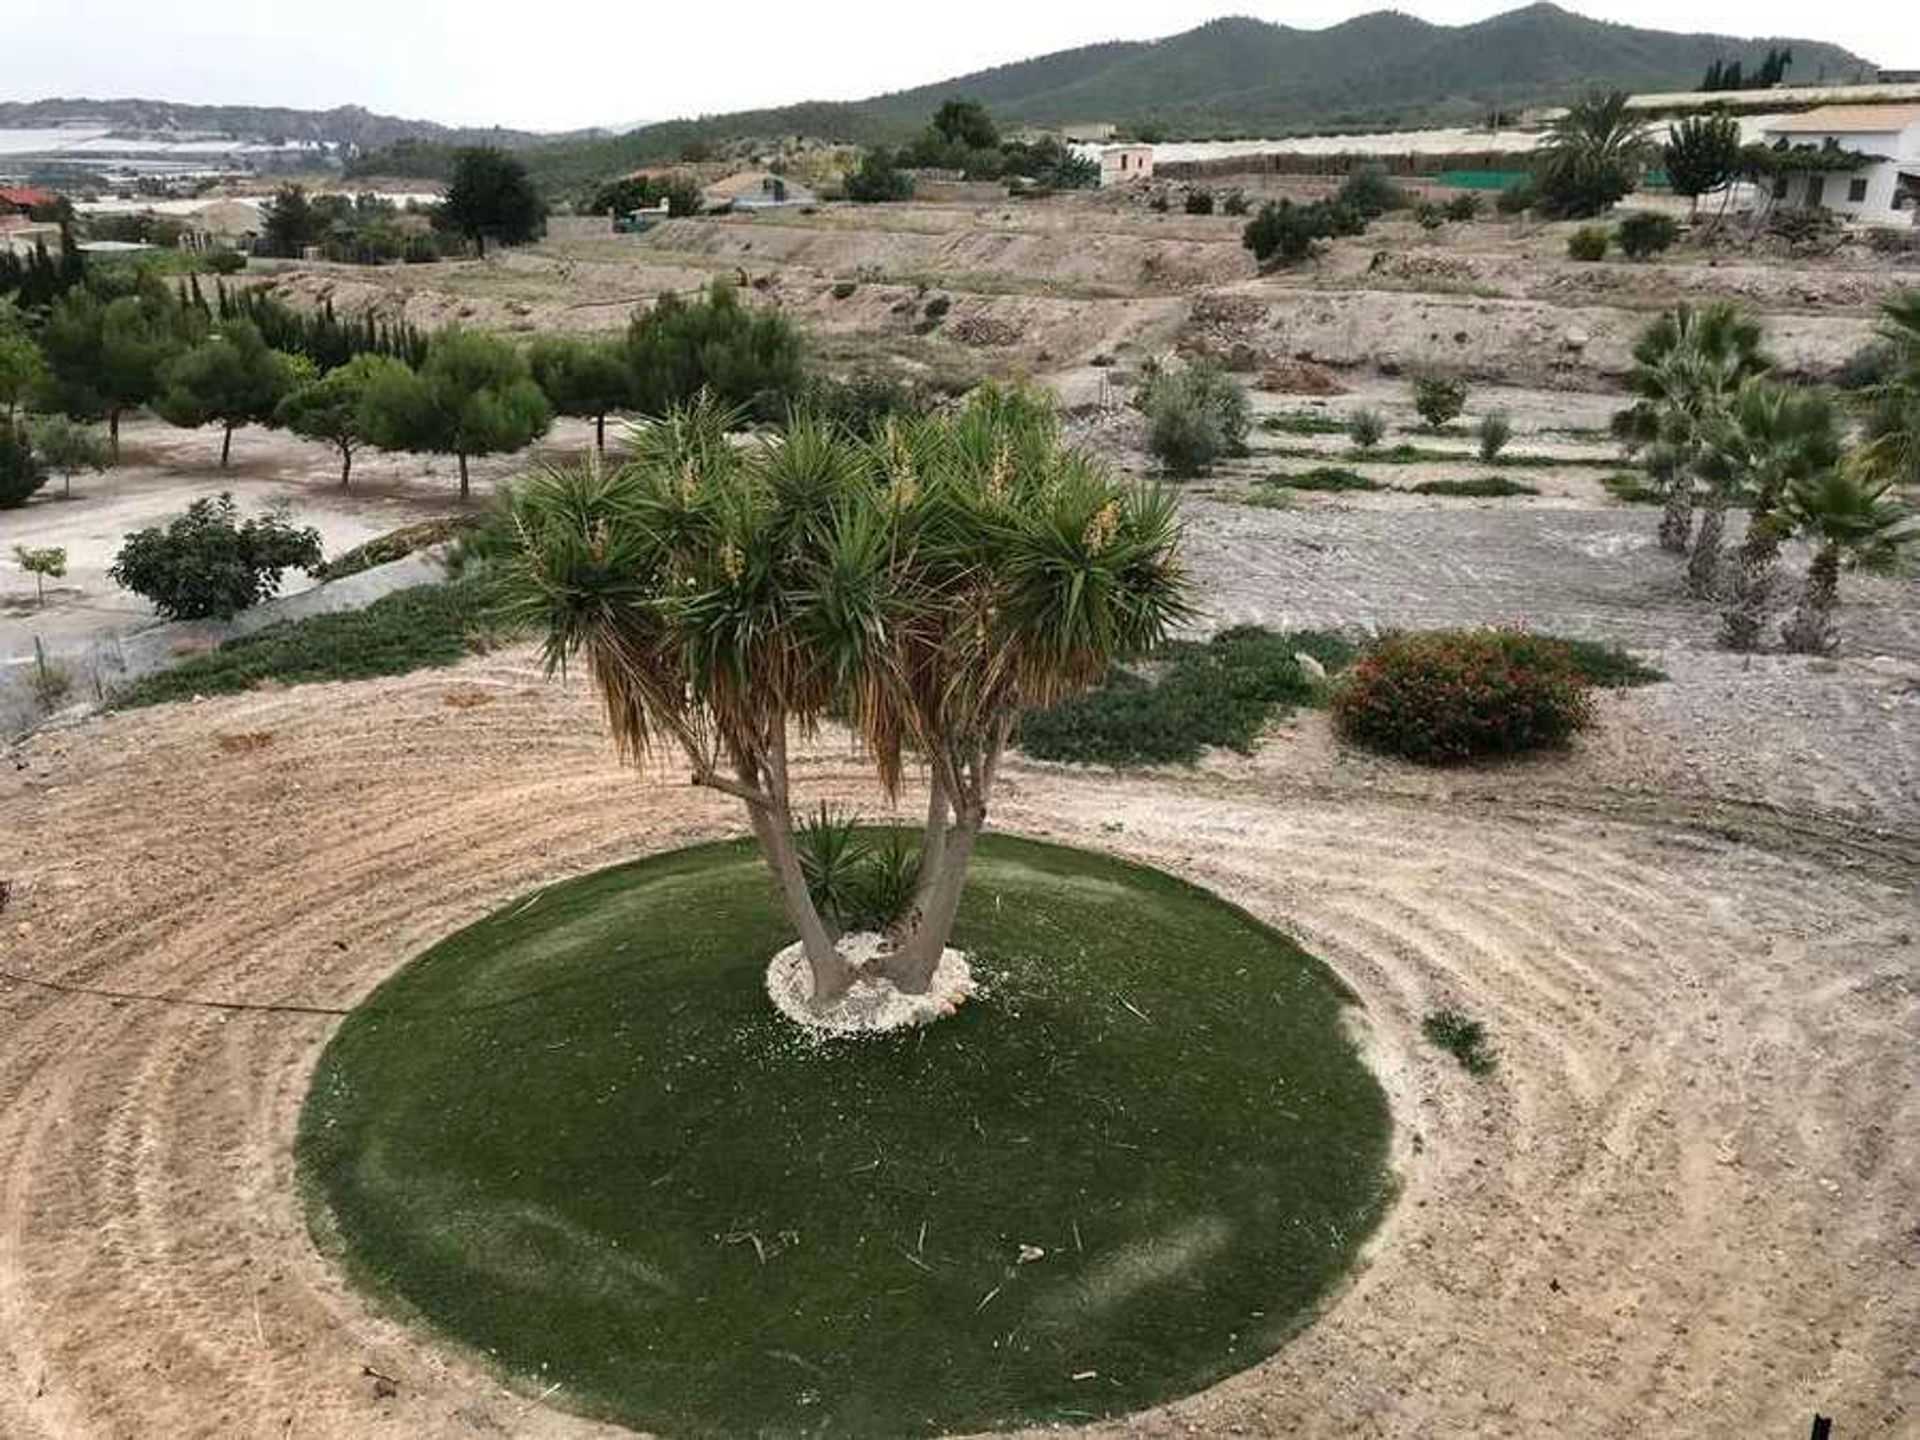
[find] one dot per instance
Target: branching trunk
(1741, 622)
(1809, 630)
(761, 784)
(1703, 566)
(346, 467)
(226, 445)
(961, 788)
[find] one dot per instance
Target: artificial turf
(577, 1137)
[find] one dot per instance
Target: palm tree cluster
(922, 586)
(1719, 430)
(1594, 153)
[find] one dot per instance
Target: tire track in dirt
(1681, 1203)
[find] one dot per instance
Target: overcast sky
(561, 64)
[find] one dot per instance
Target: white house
(1885, 191)
(1120, 163)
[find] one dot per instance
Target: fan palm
(924, 586)
(1843, 514)
(1687, 366)
(1769, 437)
(1592, 155)
(1890, 445)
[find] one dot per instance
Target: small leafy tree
(231, 378)
(65, 446)
(290, 223)
(925, 589)
(1283, 232)
(1702, 154)
(1366, 428)
(1842, 514)
(105, 357)
(587, 378)
(331, 407)
(1369, 190)
(491, 197)
(21, 471)
(1439, 399)
(22, 371)
(1195, 417)
(1199, 201)
(1592, 156)
(208, 562)
(1646, 232)
(472, 396)
(1492, 434)
(878, 179)
(746, 358)
(48, 562)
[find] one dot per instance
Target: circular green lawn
(577, 1137)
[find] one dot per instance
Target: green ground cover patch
(412, 629)
(576, 1137)
(1480, 487)
(1222, 692)
(1323, 477)
(1304, 422)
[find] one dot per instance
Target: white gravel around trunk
(872, 1004)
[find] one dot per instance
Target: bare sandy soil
(164, 469)
(1683, 1204)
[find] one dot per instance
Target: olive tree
(924, 587)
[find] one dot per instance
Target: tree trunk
(1676, 520)
(1703, 566)
(346, 467)
(831, 973)
(226, 445)
(113, 435)
(1740, 622)
(600, 433)
(911, 966)
(1809, 630)
(464, 489)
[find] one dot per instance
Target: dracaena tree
(924, 587)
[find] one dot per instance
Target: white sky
(561, 64)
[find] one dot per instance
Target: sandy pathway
(1684, 1205)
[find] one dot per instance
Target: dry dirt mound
(1682, 1205)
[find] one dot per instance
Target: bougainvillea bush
(1444, 696)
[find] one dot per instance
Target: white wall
(1883, 178)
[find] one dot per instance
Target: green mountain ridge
(1239, 76)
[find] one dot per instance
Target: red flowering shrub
(1443, 696)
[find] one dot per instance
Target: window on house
(1856, 190)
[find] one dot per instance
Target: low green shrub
(1589, 242)
(1199, 202)
(1445, 696)
(210, 562)
(1304, 422)
(1633, 487)
(414, 629)
(1323, 477)
(1646, 232)
(1195, 417)
(1482, 487)
(1366, 429)
(1464, 206)
(1518, 198)
(21, 473)
(844, 289)
(1462, 1038)
(1221, 693)
(1439, 399)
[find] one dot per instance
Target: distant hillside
(348, 125)
(1239, 76)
